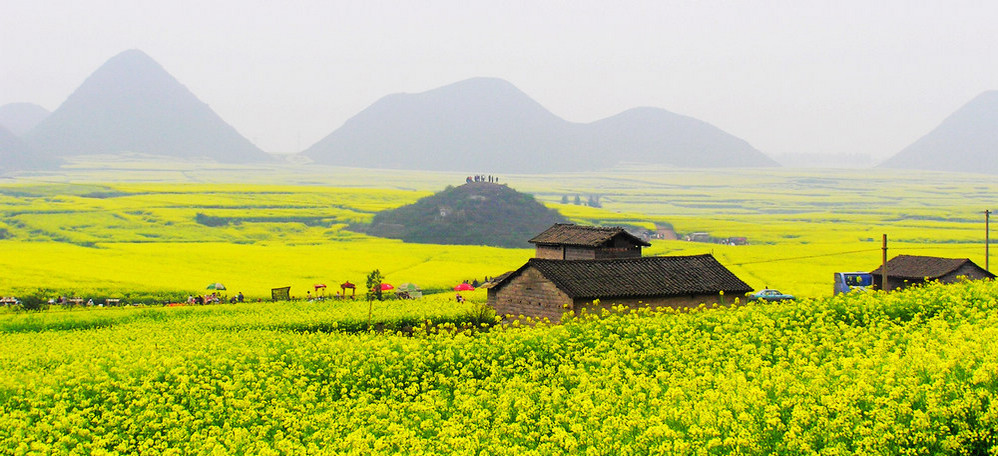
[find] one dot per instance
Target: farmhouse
(566, 241)
(907, 270)
(546, 288)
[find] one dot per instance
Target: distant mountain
(653, 135)
(21, 117)
(967, 141)
(476, 213)
(16, 155)
(489, 124)
(131, 104)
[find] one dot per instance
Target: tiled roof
(637, 277)
(920, 267)
(591, 236)
(496, 280)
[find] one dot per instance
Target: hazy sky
(867, 77)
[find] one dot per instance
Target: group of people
(321, 297)
(483, 178)
(213, 298)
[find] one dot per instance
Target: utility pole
(987, 239)
(883, 267)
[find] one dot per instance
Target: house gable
(527, 292)
(914, 267)
(565, 241)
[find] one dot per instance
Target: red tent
(464, 287)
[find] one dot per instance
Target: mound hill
(15, 155)
(489, 123)
(967, 141)
(472, 214)
(20, 118)
(131, 104)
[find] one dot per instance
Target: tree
(35, 302)
(578, 201)
(564, 199)
(374, 280)
(594, 201)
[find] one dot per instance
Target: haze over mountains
(15, 154)
(131, 104)
(487, 123)
(967, 141)
(20, 118)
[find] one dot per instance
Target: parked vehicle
(770, 295)
(852, 281)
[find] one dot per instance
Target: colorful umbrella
(464, 287)
(319, 285)
(386, 287)
(216, 286)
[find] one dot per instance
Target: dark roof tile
(637, 277)
(590, 236)
(920, 267)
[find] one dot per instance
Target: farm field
(139, 228)
(909, 372)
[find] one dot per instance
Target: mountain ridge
(489, 123)
(20, 118)
(966, 141)
(17, 155)
(132, 104)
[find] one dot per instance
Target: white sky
(796, 76)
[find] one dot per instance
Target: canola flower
(910, 372)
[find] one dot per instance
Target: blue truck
(852, 281)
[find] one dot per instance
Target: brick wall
(676, 302)
(580, 253)
(530, 294)
(549, 252)
(970, 271)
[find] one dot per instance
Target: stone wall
(530, 294)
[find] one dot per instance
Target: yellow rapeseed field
(85, 236)
(910, 372)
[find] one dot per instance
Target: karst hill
(489, 120)
(476, 213)
(131, 104)
(966, 141)
(16, 155)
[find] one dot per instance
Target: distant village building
(566, 241)
(907, 270)
(667, 234)
(546, 288)
(699, 237)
